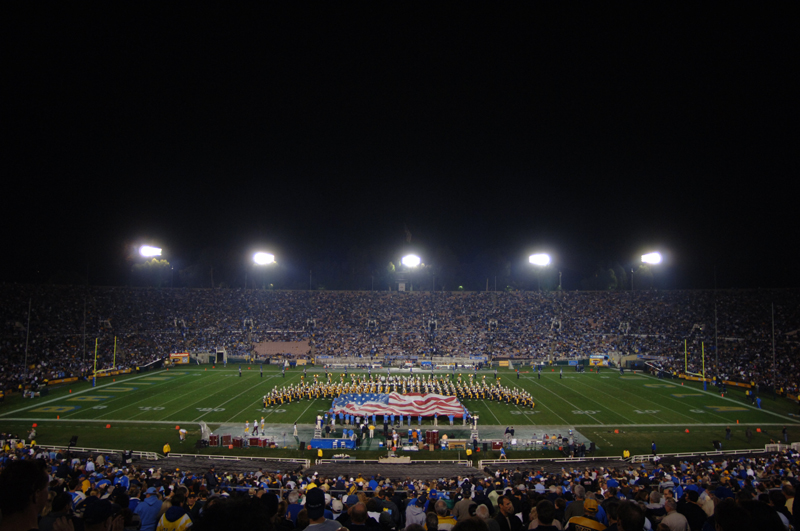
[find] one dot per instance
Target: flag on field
(425, 404)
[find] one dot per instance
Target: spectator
(631, 517)
(728, 516)
(445, 521)
(149, 510)
(472, 523)
(461, 510)
(61, 507)
(431, 521)
(690, 508)
(506, 518)
(23, 495)
(482, 511)
(588, 520)
(102, 515)
(415, 512)
(545, 517)
(175, 518)
(576, 507)
(674, 520)
(315, 505)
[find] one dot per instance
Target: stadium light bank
(149, 251)
(411, 260)
(263, 258)
(540, 259)
(651, 258)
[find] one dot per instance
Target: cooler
(226, 440)
(237, 442)
(497, 445)
(213, 440)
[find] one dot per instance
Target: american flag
(415, 404)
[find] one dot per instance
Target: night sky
(593, 135)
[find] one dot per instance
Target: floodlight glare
(263, 258)
(148, 251)
(539, 259)
(411, 260)
(651, 258)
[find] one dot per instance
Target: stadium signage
(181, 358)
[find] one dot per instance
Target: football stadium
(315, 374)
(357, 384)
(316, 268)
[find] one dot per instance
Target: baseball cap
(351, 500)
(336, 506)
(315, 503)
(590, 506)
(151, 490)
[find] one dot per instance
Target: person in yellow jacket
(167, 450)
(175, 518)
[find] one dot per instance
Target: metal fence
(484, 462)
(767, 448)
(463, 462)
(141, 455)
(305, 462)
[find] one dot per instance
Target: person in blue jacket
(149, 509)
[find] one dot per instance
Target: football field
(142, 411)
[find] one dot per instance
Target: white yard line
(39, 404)
(571, 404)
(650, 400)
(225, 402)
(306, 409)
(490, 411)
(547, 408)
(596, 402)
(738, 403)
(169, 391)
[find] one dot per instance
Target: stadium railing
(464, 462)
(111, 451)
(767, 448)
(483, 462)
(305, 462)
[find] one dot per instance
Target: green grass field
(143, 411)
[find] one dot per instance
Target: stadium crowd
(45, 489)
(149, 324)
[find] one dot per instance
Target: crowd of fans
(45, 489)
(149, 324)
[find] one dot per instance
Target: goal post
(686, 360)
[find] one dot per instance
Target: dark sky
(593, 134)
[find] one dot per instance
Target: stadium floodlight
(540, 259)
(411, 260)
(263, 258)
(148, 250)
(651, 258)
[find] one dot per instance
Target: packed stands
(755, 491)
(149, 324)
